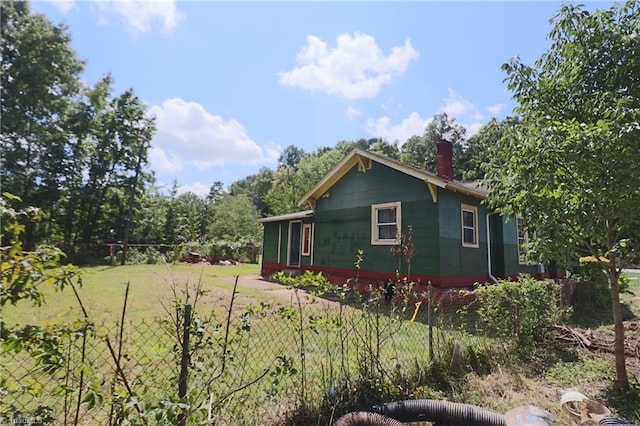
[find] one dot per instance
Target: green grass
(632, 295)
(151, 286)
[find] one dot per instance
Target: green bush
(182, 251)
(135, 256)
(222, 250)
(593, 285)
(523, 311)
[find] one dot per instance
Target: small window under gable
(469, 218)
(385, 223)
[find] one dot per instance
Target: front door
(295, 235)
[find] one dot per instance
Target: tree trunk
(622, 379)
(132, 199)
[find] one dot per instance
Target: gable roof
(363, 159)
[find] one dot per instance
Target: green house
(381, 206)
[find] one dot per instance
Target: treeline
(74, 151)
(77, 153)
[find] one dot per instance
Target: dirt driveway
(275, 290)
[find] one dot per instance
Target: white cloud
(141, 16)
(197, 188)
(496, 109)
(410, 126)
(189, 136)
(63, 5)
(455, 105)
(464, 111)
(353, 112)
(473, 128)
(356, 68)
(477, 116)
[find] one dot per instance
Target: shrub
(222, 250)
(152, 256)
(524, 310)
(593, 284)
(182, 251)
(135, 256)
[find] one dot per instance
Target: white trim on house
(523, 240)
(363, 159)
(279, 241)
(292, 244)
(313, 236)
(391, 238)
(306, 240)
(469, 229)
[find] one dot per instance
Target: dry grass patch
(502, 391)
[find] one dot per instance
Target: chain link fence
(248, 368)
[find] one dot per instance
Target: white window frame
(526, 238)
(306, 250)
(375, 240)
(476, 240)
(290, 245)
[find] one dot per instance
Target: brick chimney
(445, 159)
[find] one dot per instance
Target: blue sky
(232, 84)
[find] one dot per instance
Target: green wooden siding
(343, 221)
(270, 242)
(510, 246)
(496, 228)
(457, 260)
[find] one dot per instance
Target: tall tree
(478, 152)
(572, 164)
(285, 191)
(383, 147)
(290, 184)
(39, 80)
(421, 151)
(72, 150)
(290, 157)
(234, 218)
(134, 130)
(215, 191)
(188, 210)
(150, 219)
(345, 147)
(113, 137)
(256, 187)
(170, 234)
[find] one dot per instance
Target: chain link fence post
(430, 318)
(184, 363)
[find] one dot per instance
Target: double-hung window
(469, 219)
(524, 238)
(385, 223)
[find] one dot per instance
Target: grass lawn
(151, 286)
(632, 295)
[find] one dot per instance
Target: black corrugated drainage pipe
(614, 421)
(442, 413)
(364, 418)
